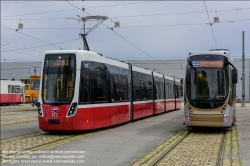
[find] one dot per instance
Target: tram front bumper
(55, 124)
(205, 121)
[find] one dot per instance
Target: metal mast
(243, 72)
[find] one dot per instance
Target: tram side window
(169, 91)
(146, 90)
(177, 91)
(156, 91)
(143, 90)
(115, 93)
(161, 91)
(149, 90)
(124, 88)
(137, 89)
(99, 87)
(84, 89)
(172, 91)
(17, 89)
(166, 91)
(11, 89)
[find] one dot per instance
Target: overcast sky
(148, 29)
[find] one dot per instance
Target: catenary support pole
(243, 72)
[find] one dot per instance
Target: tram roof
(11, 82)
(225, 53)
(90, 56)
(93, 56)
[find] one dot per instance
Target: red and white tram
(12, 92)
(82, 90)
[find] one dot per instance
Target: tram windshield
(58, 78)
(208, 84)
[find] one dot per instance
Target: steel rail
(169, 150)
(222, 149)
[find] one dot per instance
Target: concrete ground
(120, 145)
(16, 108)
(243, 128)
(123, 145)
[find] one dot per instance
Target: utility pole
(249, 80)
(243, 72)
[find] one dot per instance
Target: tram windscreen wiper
(219, 93)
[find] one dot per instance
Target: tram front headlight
(191, 110)
(72, 109)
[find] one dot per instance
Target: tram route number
(54, 114)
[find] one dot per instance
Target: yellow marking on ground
(18, 147)
(18, 121)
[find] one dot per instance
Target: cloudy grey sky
(148, 29)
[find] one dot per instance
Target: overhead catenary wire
(146, 26)
(211, 25)
(24, 53)
(171, 25)
(42, 45)
(122, 37)
(18, 48)
(146, 15)
(32, 37)
(165, 14)
(74, 9)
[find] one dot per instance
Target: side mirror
(188, 76)
(234, 76)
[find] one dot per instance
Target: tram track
(18, 147)
(196, 147)
(170, 149)
(18, 121)
(17, 112)
(219, 162)
(222, 150)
